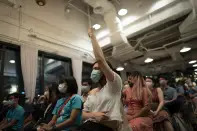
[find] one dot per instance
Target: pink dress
(158, 121)
(134, 106)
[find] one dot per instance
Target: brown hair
(139, 85)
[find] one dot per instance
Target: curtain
(77, 73)
(29, 63)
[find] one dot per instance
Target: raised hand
(90, 32)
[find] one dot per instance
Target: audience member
(179, 88)
(138, 99)
(102, 109)
(161, 119)
(67, 114)
(14, 119)
(170, 95)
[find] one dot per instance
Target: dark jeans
(92, 126)
(175, 106)
(9, 129)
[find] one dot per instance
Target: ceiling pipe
(107, 9)
(174, 42)
(121, 46)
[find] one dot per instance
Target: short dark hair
(164, 77)
(16, 95)
(71, 83)
(109, 64)
(54, 88)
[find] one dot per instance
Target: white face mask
(9, 102)
(62, 88)
(27, 101)
(85, 88)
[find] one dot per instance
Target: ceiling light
(148, 60)
(12, 61)
(122, 12)
(196, 73)
(67, 9)
(185, 49)
(195, 65)
(120, 68)
(41, 2)
(96, 26)
(195, 70)
(192, 62)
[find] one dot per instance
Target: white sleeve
(87, 105)
(116, 85)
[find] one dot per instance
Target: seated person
(102, 109)
(170, 95)
(138, 99)
(52, 95)
(161, 119)
(15, 116)
(28, 121)
(192, 91)
(180, 89)
(67, 114)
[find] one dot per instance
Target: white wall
(56, 32)
(60, 33)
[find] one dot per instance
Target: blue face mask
(95, 76)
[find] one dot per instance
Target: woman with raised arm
(138, 100)
(103, 108)
(161, 119)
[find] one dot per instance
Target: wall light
(192, 62)
(13, 88)
(195, 65)
(148, 60)
(122, 12)
(12, 61)
(120, 68)
(185, 49)
(96, 26)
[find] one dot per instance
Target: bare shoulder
(159, 90)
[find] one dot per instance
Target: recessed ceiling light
(120, 68)
(195, 65)
(122, 12)
(96, 26)
(192, 62)
(148, 60)
(12, 61)
(185, 49)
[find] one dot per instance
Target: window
(50, 69)
(86, 72)
(10, 70)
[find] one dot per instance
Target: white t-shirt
(107, 99)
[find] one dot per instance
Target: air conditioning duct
(11, 3)
(122, 50)
(189, 26)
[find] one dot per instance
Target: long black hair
(71, 83)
